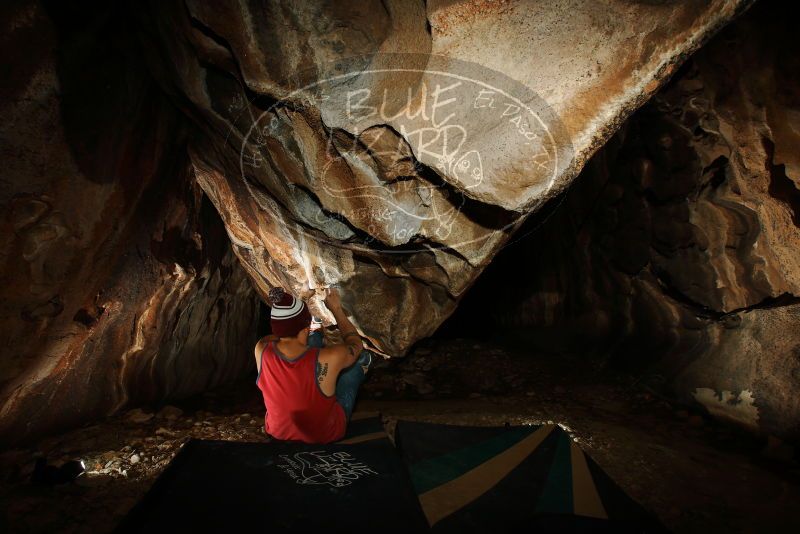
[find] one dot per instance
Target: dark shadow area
(115, 116)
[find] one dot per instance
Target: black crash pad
(357, 485)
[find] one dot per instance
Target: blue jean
(349, 379)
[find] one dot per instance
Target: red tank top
(296, 407)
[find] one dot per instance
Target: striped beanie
(289, 315)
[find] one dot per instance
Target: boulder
(397, 154)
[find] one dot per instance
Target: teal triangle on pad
(434, 472)
(556, 496)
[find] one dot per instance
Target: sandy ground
(696, 475)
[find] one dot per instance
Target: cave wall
(676, 251)
(161, 171)
(117, 280)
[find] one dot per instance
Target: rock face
(392, 148)
(118, 282)
(676, 249)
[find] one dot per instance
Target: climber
(309, 390)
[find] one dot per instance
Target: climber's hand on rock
(332, 300)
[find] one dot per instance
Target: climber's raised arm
(351, 346)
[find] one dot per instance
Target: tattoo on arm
(322, 371)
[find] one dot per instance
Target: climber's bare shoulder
(338, 356)
(261, 345)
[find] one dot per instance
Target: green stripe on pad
(434, 472)
(556, 497)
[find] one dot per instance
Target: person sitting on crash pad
(309, 389)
